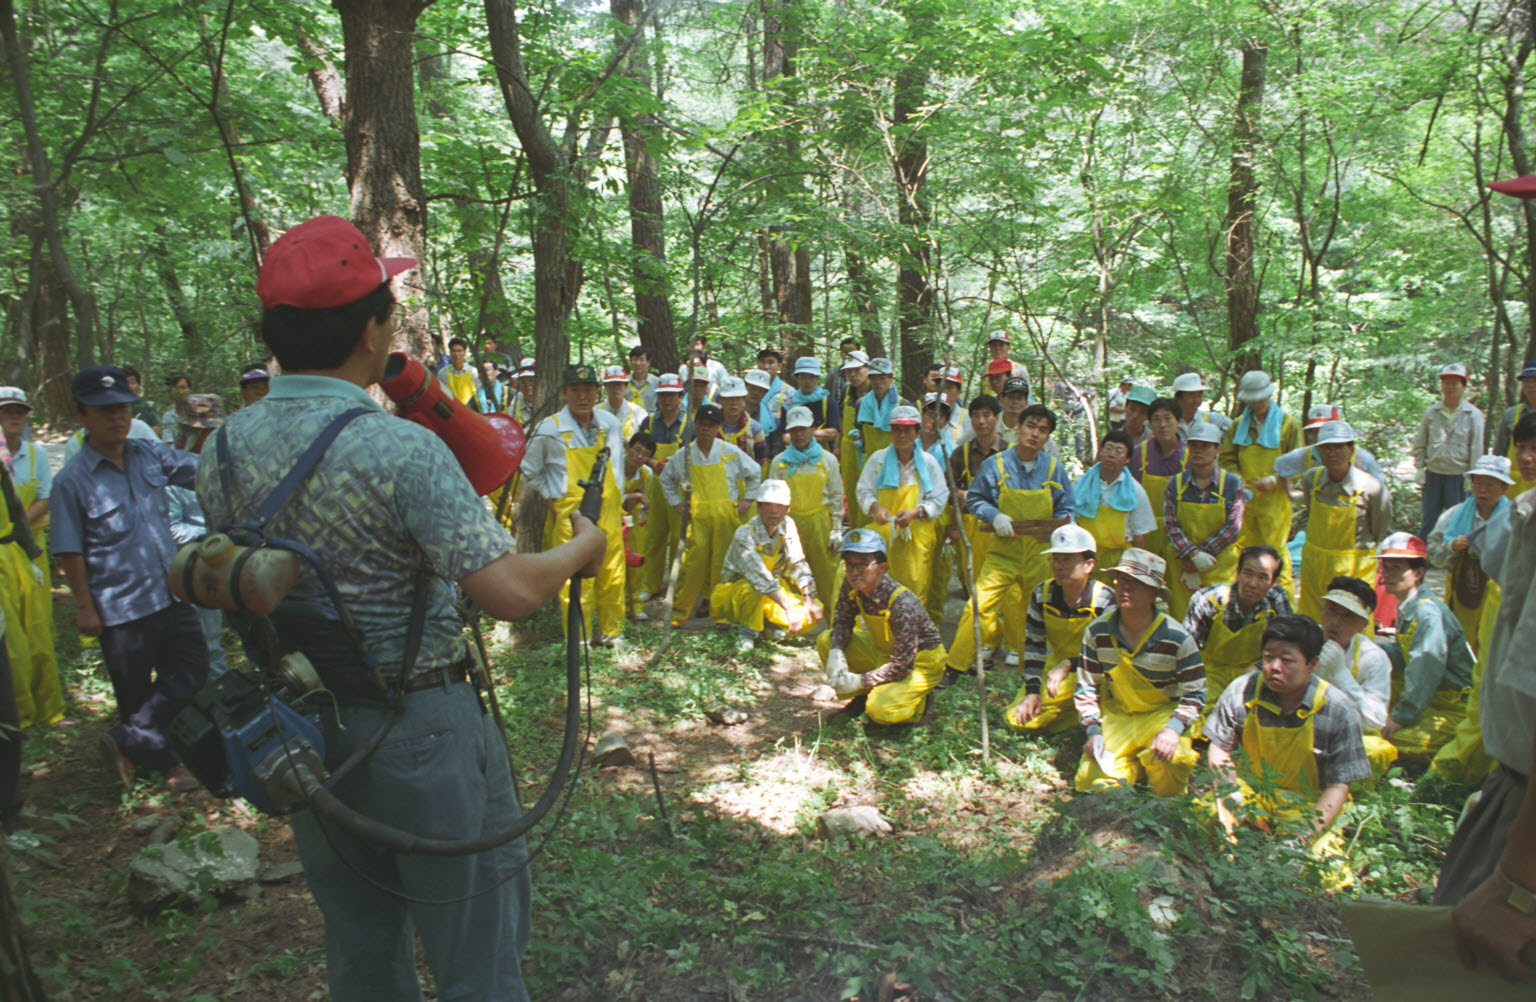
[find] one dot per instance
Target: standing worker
(1503, 435)
(903, 491)
(850, 451)
(1348, 513)
(562, 452)
(1449, 440)
(669, 429)
(390, 513)
(1202, 515)
(816, 498)
(630, 415)
(1250, 446)
(458, 376)
(1110, 504)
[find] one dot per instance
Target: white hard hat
(1071, 538)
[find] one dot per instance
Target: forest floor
(704, 876)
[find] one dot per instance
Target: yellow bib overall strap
(663, 530)
(877, 622)
(1228, 654)
(1285, 752)
(1199, 520)
(1064, 629)
(1330, 550)
(1107, 526)
(461, 385)
(851, 460)
(813, 520)
(1267, 515)
(606, 594)
(1128, 687)
(712, 523)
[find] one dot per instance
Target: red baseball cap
(998, 366)
(321, 263)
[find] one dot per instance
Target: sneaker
(746, 642)
(1012, 660)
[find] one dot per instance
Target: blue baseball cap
(1529, 370)
(101, 385)
(863, 541)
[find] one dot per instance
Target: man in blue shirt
(111, 534)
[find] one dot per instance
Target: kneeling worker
(1059, 611)
(1295, 735)
(766, 578)
(1140, 687)
(882, 646)
(1436, 661)
(1355, 665)
(1228, 620)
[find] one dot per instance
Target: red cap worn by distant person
(321, 263)
(998, 366)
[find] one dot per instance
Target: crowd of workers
(1200, 582)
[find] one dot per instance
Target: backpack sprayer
(244, 734)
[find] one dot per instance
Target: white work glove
(903, 532)
(1002, 525)
(835, 540)
(838, 677)
(1191, 580)
(1097, 749)
(37, 574)
(1203, 561)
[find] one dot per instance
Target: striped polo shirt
(1169, 660)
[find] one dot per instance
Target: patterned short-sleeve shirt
(386, 502)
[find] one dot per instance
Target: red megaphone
(489, 447)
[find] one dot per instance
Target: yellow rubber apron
(869, 647)
(1199, 520)
(28, 609)
(813, 520)
(664, 528)
(1227, 655)
(635, 536)
(1441, 717)
(27, 492)
(1131, 713)
(1330, 551)
(606, 594)
(1377, 748)
(1520, 486)
(1156, 487)
(1063, 642)
(711, 524)
(1266, 515)
(1013, 566)
(462, 386)
(1464, 758)
(738, 603)
(741, 438)
(850, 461)
(910, 559)
(1107, 527)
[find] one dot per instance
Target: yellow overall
(711, 524)
(1520, 486)
(1227, 655)
(911, 560)
(1013, 566)
(28, 494)
(1108, 529)
(869, 647)
(1439, 721)
(1063, 642)
(607, 592)
(1378, 749)
(639, 523)
(1156, 487)
(741, 438)
(1199, 520)
(1463, 757)
(28, 608)
(1330, 551)
(1014, 605)
(1267, 515)
(663, 530)
(461, 385)
(740, 604)
(1131, 713)
(850, 462)
(813, 520)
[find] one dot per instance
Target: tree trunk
(384, 146)
(866, 303)
(653, 306)
(1514, 130)
(18, 982)
(1242, 196)
(789, 256)
(914, 285)
(165, 268)
(81, 300)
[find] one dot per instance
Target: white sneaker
(746, 643)
(1012, 660)
(643, 597)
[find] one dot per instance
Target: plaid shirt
(1336, 741)
(1216, 600)
(1184, 488)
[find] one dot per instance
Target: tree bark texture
(18, 982)
(384, 146)
(1516, 55)
(789, 256)
(1242, 197)
(915, 298)
(648, 255)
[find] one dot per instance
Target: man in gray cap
(1449, 439)
(1348, 513)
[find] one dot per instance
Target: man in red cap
(389, 513)
(998, 346)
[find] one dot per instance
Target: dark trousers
(10, 748)
(157, 664)
(1441, 491)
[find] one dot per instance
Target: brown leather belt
(432, 678)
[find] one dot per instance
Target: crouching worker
(1059, 611)
(1300, 742)
(1356, 666)
(892, 657)
(1432, 651)
(1140, 687)
(766, 579)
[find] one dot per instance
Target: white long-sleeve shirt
(741, 471)
(1371, 689)
(1449, 442)
(933, 500)
(544, 462)
(743, 561)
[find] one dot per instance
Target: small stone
(862, 820)
(165, 830)
(612, 749)
(221, 862)
(824, 694)
(145, 824)
(725, 716)
(280, 873)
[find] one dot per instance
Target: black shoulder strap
(274, 501)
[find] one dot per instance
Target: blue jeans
(157, 663)
(1441, 491)
(441, 773)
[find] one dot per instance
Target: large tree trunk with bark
(1517, 53)
(384, 146)
(648, 256)
(789, 255)
(913, 277)
(1242, 198)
